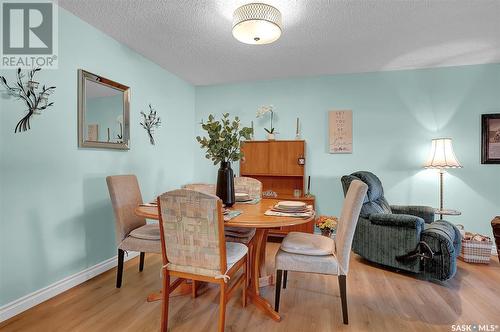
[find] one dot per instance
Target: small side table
(447, 212)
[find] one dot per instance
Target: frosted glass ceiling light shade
(442, 155)
(257, 23)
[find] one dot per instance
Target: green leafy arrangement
(224, 138)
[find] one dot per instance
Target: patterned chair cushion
(234, 252)
(239, 231)
(191, 227)
(244, 240)
(307, 244)
(147, 232)
(241, 238)
(251, 186)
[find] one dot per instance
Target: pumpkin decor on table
(327, 225)
(26, 89)
(222, 146)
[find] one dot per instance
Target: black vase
(225, 184)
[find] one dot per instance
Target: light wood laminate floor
(378, 299)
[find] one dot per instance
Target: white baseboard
(30, 300)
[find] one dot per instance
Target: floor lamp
(442, 157)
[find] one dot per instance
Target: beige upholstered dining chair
(132, 232)
(194, 247)
(314, 253)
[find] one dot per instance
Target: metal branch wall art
(150, 122)
(27, 90)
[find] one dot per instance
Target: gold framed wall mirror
(103, 112)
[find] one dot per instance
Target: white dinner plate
(291, 205)
(242, 197)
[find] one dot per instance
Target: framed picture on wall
(490, 138)
(340, 136)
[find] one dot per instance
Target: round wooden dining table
(252, 216)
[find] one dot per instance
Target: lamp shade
(442, 155)
(257, 23)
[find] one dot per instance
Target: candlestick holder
(297, 130)
(308, 194)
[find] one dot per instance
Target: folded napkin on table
(231, 214)
(289, 214)
(253, 201)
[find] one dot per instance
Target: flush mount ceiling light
(257, 23)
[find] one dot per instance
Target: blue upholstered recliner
(403, 237)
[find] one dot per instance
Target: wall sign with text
(340, 125)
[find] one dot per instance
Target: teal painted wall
(56, 218)
(395, 115)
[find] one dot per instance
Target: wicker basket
(474, 251)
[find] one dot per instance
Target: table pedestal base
(258, 270)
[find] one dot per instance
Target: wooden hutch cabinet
(276, 164)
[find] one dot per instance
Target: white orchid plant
(262, 111)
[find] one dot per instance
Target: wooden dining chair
(132, 232)
(243, 235)
(314, 253)
(241, 184)
(194, 247)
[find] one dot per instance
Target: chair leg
(251, 248)
(343, 298)
(278, 290)
(141, 261)
(285, 278)
(119, 270)
(194, 286)
(244, 284)
(165, 301)
(222, 307)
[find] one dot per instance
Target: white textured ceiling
(192, 38)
